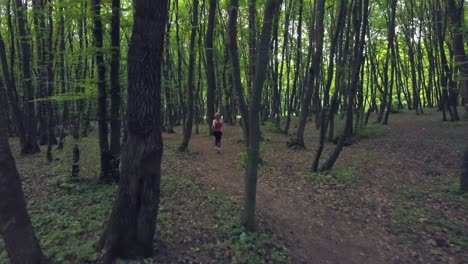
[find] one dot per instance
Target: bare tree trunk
(106, 174)
(359, 23)
(235, 68)
(272, 6)
(16, 110)
(456, 17)
(190, 83)
(31, 146)
(210, 70)
(314, 72)
(115, 122)
(16, 229)
(130, 229)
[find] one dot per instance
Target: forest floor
(391, 198)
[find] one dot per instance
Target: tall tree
(106, 174)
(271, 7)
(360, 20)
(115, 89)
(455, 12)
(210, 70)
(313, 74)
(12, 96)
(130, 229)
(190, 82)
(31, 146)
(16, 229)
(235, 68)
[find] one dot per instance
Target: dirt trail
(313, 233)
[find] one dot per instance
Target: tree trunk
(115, 122)
(31, 146)
(272, 6)
(106, 174)
(235, 68)
(314, 72)
(16, 229)
(210, 70)
(16, 110)
(360, 23)
(456, 17)
(190, 83)
(130, 229)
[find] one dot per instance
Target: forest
(343, 125)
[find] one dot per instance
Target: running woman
(217, 131)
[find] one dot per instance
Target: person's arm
(213, 124)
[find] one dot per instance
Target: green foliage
(415, 217)
(253, 247)
(269, 126)
(71, 218)
(339, 176)
(242, 163)
(372, 131)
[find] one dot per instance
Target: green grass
(428, 214)
(373, 130)
(70, 217)
(342, 176)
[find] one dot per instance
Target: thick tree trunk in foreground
(102, 94)
(130, 229)
(20, 241)
(272, 6)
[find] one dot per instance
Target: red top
(217, 125)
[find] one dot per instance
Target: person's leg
(219, 140)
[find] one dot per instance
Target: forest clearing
(227, 131)
(393, 198)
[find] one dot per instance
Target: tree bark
(210, 70)
(235, 68)
(272, 6)
(130, 229)
(190, 82)
(359, 23)
(11, 94)
(115, 122)
(31, 146)
(106, 174)
(456, 17)
(314, 73)
(16, 229)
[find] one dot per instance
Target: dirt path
(313, 233)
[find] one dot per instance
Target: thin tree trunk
(115, 123)
(314, 71)
(16, 110)
(210, 70)
(360, 24)
(235, 68)
(272, 6)
(190, 82)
